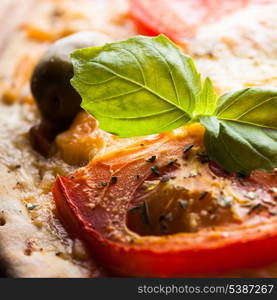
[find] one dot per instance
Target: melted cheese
(240, 50)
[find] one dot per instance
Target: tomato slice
(94, 206)
(180, 19)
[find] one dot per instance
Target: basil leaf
(145, 85)
(140, 86)
(240, 147)
(207, 100)
(256, 106)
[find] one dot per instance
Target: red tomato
(94, 207)
(180, 19)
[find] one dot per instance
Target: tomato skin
(186, 254)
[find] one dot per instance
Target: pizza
(118, 159)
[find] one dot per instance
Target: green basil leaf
(145, 85)
(240, 147)
(207, 100)
(256, 106)
(140, 86)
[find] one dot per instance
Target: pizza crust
(33, 242)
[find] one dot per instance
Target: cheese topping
(240, 50)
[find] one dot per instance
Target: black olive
(56, 99)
